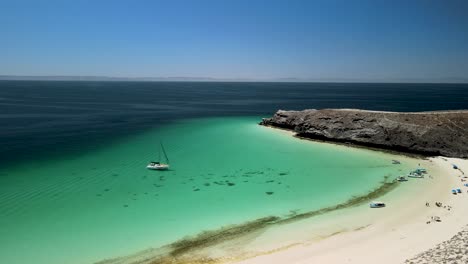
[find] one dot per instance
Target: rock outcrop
(428, 133)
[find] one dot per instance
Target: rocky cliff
(429, 133)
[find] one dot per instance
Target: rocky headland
(443, 133)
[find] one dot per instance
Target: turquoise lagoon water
(104, 203)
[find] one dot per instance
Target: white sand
(389, 235)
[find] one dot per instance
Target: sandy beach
(395, 234)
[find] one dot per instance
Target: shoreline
(307, 236)
(201, 246)
(399, 234)
(435, 133)
(343, 235)
(349, 144)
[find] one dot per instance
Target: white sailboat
(158, 165)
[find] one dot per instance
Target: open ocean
(73, 182)
(44, 118)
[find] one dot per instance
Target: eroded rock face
(429, 133)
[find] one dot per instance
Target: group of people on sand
(438, 204)
(464, 179)
(434, 218)
(448, 207)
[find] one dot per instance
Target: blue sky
(373, 39)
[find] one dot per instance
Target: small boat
(415, 175)
(402, 178)
(376, 204)
(158, 165)
(395, 162)
(420, 170)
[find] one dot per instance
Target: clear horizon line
(461, 80)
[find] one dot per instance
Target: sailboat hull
(158, 167)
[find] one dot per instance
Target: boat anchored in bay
(158, 165)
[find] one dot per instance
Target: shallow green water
(104, 204)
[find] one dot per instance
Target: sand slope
(400, 232)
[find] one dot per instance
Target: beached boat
(420, 170)
(402, 178)
(415, 175)
(376, 204)
(158, 165)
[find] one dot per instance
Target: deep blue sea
(40, 119)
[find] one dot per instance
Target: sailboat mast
(164, 152)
